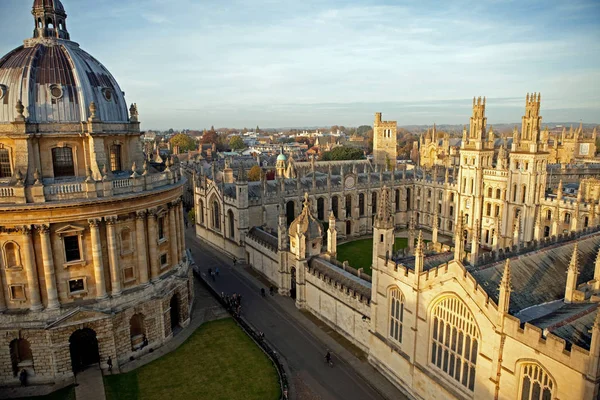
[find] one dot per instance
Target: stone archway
(174, 311)
(83, 346)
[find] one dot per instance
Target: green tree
(254, 174)
(192, 217)
(343, 153)
(236, 143)
(363, 130)
(183, 141)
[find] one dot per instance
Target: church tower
(385, 147)
(476, 154)
(526, 171)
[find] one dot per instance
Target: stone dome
(306, 223)
(54, 78)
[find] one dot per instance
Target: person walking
(234, 261)
(23, 377)
(217, 271)
(109, 363)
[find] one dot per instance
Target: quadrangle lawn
(359, 253)
(218, 362)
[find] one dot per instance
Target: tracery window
(396, 314)
(5, 170)
(216, 222)
(374, 202)
(454, 341)
(536, 384)
(361, 204)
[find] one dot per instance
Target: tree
(254, 174)
(183, 141)
(363, 130)
(236, 143)
(210, 137)
(343, 153)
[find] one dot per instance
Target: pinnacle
(506, 278)
(574, 265)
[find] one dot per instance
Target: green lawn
(359, 253)
(219, 361)
(67, 393)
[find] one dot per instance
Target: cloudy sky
(281, 63)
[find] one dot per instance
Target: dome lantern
(50, 19)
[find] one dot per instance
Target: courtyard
(219, 361)
(359, 253)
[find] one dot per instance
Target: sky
(282, 63)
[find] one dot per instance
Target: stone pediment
(70, 229)
(77, 316)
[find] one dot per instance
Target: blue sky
(275, 63)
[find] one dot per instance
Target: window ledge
(76, 263)
(126, 253)
(80, 293)
(129, 280)
(15, 268)
(163, 240)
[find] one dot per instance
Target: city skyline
(281, 64)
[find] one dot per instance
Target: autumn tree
(236, 143)
(210, 137)
(254, 174)
(183, 141)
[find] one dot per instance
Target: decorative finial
(20, 110)
(133, 111)
(36, 176)
(19, 177)
(306, 200)
(134, 170)
(145, 166)
(93, 110)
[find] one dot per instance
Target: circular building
(92, 255)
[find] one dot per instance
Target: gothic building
(93, 262)
(502, 304)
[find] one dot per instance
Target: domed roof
(54, 78)
(281, 157)
(306, 223)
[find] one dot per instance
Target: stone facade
(92, 255)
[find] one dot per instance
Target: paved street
(297, 339)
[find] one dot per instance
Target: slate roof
(431, 261)
(540, 276)
(339, 275)
(263, 236)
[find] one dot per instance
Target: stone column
(97, 258)
(31, 271)
(152, 244)
(113, 257)
(48, 261)
(140, 236)
(173, 234)
(181, 230)
(2, 301)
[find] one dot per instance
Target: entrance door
(293, 285)
(83, 346)
(174, 304)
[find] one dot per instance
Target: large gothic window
(454, 341)
(536, 384)
(396, 314)
(361, 204)
(62, 162)
(374, 202)
(397, 199)
(216, 216)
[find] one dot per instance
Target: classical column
(97, 258)
(31, 271)
(2, 301)
(153, 244)
(172, 234)
(140, 236)
(181, 230)
(48, 261)
(113, 257)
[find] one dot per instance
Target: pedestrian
(217, 271)
(210, 271)
(109, 363)
(144, 341)
(239, 299)
(271, 290)
(212, 275)
(234, 261)
(23, 377)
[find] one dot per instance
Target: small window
(56, 92)
(163, 260)
(17, 293)
(76, 285)
(161, 228)
(126, 245)
(115, 158)
(62, 162)
(5, 169)
(72, 252)
(128, 274)
(12, 255)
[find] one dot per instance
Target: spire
(384, 217)
(505, 289)
(572, 274)
(419, 255)
(50, 19)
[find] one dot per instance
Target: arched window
(567, 218)
(115, 158)
(549, 215)
(515, 192)
(451, 211)
(396, 314)
(335, 206)
(126, 241)
(408, 199)
(490, 192)
(450, 225)
(455, 341)
(321, 208)
(536, 384)
(216, 216)
(488, 209)
(361, 204)
(50, 23)
(20, 355)
(12, 256)
(374, 202)
(523, 194)
(201, 211)
(467, 219)
(231, 224)
(62, 162)
(348, 206)
(546, 231)
(397, 199)
(586, 221)
(498, 193)
(451, 196)
(5, 169)
(137, 332)
(290, 212)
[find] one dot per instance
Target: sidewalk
(90, 385)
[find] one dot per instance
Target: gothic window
(490, 192)
(231, 224)
(12, 257)
(586, 222)
(62, 162)
(451, 211)
(488, 209)
(450, 225)
(439, 208)
(567, 218)
(216, 216)
(487, 235)
(374, 202)
(201, 212)
(441, 195)
(115, 158)
(397, 199)
(396, 314)
(348, 206)
(408, 199)
(429, 193)
(472, 186)
(546, 231)
(498, 193)
(536, 384)
(451, 196)
(454, 341)
(361, 204)
(5, 170)
(497, 211)
(515, 192)
(428, 206)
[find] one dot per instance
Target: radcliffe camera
(299, 200)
